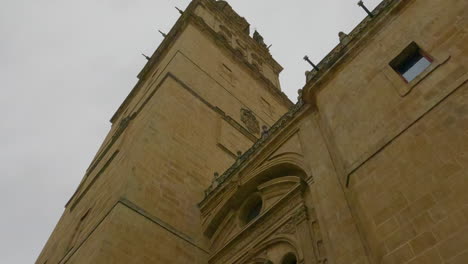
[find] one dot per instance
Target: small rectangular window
(411, 62)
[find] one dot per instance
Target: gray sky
(65, 67)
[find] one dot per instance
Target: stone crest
(250, 121)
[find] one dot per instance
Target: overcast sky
(66, 66)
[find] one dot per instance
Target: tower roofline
(189, 16)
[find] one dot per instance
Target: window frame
(407, 54)
(404, 87)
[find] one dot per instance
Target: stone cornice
(347, 43)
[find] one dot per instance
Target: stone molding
(266, 225)
(246, 157)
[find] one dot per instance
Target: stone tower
(203, 97)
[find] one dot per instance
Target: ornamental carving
(300, 215)
(263, 227)
(288, 228)
(250, 121)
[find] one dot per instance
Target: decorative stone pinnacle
(299, 95)
(264, 131)
(342, 35)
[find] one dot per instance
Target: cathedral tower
(202, 99)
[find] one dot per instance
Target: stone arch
(278, 168)
(270, 244)
(289, 217)
(260, 261)
(285, 165)
(289, 258)
(293, 161)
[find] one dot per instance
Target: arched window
(251, 208)
(289, 258)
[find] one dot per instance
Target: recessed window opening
(290, 258)
(254, 211)
(251, 209)
(411, 62)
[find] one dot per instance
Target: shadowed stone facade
(207, 161)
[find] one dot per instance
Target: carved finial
(148, 58)
(258, 38)
(264, 131)
(342, 36)
(299, 95)
(239, 153)
(216, 175)
(215, 184)
(162, 33)
(180, 11)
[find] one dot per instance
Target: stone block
(422, 242)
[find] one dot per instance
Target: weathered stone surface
(365, 168)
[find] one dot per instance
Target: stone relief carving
(265, 227)
(300, 215)
(250, 121)
(288, 228)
